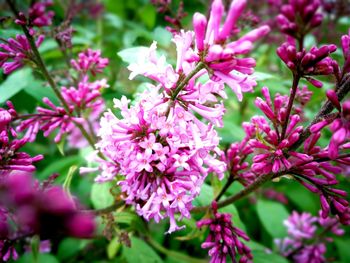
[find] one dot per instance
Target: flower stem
(296, 79)
(40, 63)
(183, 83)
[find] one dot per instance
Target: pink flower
(222, 57)
(90, 60)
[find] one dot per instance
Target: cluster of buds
(309, 63)
(11, 158)
(38, 16)
(223, 238)
(15, 53)
(297, 18)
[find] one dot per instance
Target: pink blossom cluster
(37, 15)
(297, 18)
(84, 103)
(15, 53)
(307, 237)
(164, 154)
(165, 144)
(224, 238)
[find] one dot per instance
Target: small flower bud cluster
(38, 16)
(223, 239)
(14, 53)
(297, 18)
(11, 158)
(309, 63)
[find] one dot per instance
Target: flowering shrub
(221, 126)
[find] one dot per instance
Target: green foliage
(140, 251)
(272, 215)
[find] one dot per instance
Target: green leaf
(69, 247)
(67, 182)
(140, 251)
(35, 245)
(42, 258)
(101, 196)
(205, 197)
(15, 83)
(343, 249)
(148, 15)
(265, 257)
(113, 248)
(131, 55)
(272, 215)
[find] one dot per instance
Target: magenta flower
(90, 60)
(49, 120)
(345, 44)
(308, 63)
(339, 125)
(14, 53)
(298, 18)
(301, 226)
(223, 238)
(48, 212)
(38, 15)
(221, 57)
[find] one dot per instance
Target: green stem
(183, 83)
(40, 63)
(296, 79)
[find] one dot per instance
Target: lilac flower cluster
(84, 103)
(27, 209)
(160, 144)
(223, 239)
(307, 237)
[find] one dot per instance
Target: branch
(327, 108)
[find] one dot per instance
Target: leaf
(101, 196)
(205, 197)
(131, 55)
(69, 247)
(42, 258)
(67, 182)
(131, 219)
(35, 245)
(264, 257)
(162, 36)
(15, 83)
(272, 215)
(148, 15)
(113, 248)
(140, 251)
(343, 249)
